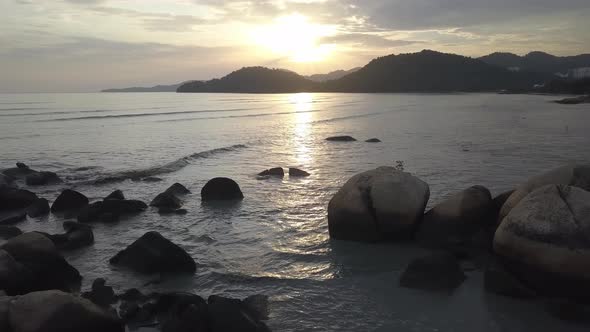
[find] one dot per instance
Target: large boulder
(6, 181)
(69, 200)
(45, 267)
(42, 178)
(153, 253)
(381, 204)
(438, 271)
(221, 189)
(571, 175)
(11, 198)
(54, 310)
(545, 240)
(38, 208)
(453, 222)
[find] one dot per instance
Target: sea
(275, 242)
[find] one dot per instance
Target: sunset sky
(88, 45)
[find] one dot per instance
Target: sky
(89, 45)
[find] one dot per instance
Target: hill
(254, 80)
(538, 62)
(157, 88)
(331, 76)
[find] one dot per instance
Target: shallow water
(276, 241)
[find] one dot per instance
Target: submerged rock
(11, 198)
(296, 172)
(341, 139)
(381, 204)
(152, 253)
(575, 100)
(439, 271)
(101, 294)
(277, 171)
(453, 222)
(110, 210)
(117, 194)
(178, 189)
(42, 178)
(571, 175)
(373, 140)
(38, 208)
(69, 200)
(166, 200)
(54, 310)
(20, 171)
(220, 189)
(545, 240)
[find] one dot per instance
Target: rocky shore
(531, 242)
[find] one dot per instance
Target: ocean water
(276, 241)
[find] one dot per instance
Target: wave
(21, 109)
(364, 115)
(164, 169)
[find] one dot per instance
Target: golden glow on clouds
(294, 37)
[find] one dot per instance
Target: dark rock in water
(373, 140)
(341, 139)
(277, 171)
(167, 210)
(182, 312)
(178, 190)
(21, 165)
(166, 200)
(575, 100)
(6, 181)
(90, 212)
(101, 294)
(122, 207)
(257, 305)
(500, 281)
(44, 267)
(151, 179)
(8, 232)
(568, 310)
(42, 178)
(453, 222)
(4, 309)
(439, 271)
(296, 172)
(383, 204)
(11, 199)
(117, 194)
(13, 218)
(499, 202)
(544, 241)
(152, 253)
(20, 171)
(54, 310)
(77, 236)
(132, 294)
(220, 189)
(226, 314)
(38, 208)
(12, 273)
(69, 200)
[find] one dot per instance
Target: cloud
(368, 40)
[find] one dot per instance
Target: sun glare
(294, 37)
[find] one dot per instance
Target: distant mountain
(538, 62)
(157, 88)
(254, 80)
(426, 71)
(332, 75)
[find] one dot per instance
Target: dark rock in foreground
(296, 172)
(8, 232)
(226, 314)
(13, 218)
(439, 271)
(57, 311)
(152, 253)
(101, 294)
(277, 171)
(77, 236)
(69, 200)
(373, 140)
(11, 198)
(500, 281)
(117, 194)
(6, 181)
(166, 200)
(221, 189)
(381, 204)
(38, 208)
(575, 100)
(341, 139)
(42, 178)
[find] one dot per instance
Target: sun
(294, 37)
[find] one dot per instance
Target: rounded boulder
(221, 189)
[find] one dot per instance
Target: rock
(499, 281)
(42, 178)
(101, 294)
(21, 165)
(122, 207)
(438, 271)
(277, 171)
(183, 312)
(166, 200)
(4, 306)
(381, 204)
(499, 202)
(178, 190)
(568, 310)
(13, 218)
(227, 314)
(258, 306)
(6, 181)
(545, 241)
(151, 179)
(453, 222)
(167, 210)
(220, 189)
(11, 199)
(132, 295)
(341, 139)
(295, 172)
(152, 253)
(8, 232)
(58, 311)
(117, 194)
(571, 175)
(46, 268)
(38, 208)
(20, 171)
(77, 236)
(90, 212)
(69, 200)
(373, 140)
(12, 273)
(574, 100)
